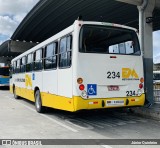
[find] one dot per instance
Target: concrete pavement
(152, 111)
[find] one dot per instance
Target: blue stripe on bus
(4, 80)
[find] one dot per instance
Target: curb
(152, 112)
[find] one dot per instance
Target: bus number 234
(113, 75)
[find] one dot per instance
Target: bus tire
(14, 93)
(38, 102)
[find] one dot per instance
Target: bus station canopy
(48, 17)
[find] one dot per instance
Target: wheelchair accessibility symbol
(91, 89)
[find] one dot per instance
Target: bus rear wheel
(14, 93)
(38, 102)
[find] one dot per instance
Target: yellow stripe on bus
(76, 103)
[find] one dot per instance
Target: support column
(146, 43)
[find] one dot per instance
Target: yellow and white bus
(89, 65)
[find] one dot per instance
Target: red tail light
(81, 87)
(140, 85)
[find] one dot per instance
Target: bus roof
(68, 30)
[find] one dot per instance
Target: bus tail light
(140, 85)
(81, 87)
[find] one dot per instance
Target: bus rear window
(108, 40)
(4, 71)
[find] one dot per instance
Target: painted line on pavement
(106, 146)
(51, 119)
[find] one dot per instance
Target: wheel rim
(38, 102)
(14, 93)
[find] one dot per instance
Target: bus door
(65, 68)
(50, 69)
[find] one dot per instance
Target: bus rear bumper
(80, 103)
(4, 85)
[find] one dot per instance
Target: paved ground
(150, 112)
(19, 120)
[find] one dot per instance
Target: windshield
(4, 71)
(109, 40)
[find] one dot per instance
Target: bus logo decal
(28, 81)
(91, 89)
(129, 74)
(33, 76)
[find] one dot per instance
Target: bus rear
(109, 69)
(4, 76)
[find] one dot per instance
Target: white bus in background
(156, 76)
(89, 65)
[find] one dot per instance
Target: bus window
(29, 63)
(50, 60)
(23, 64)
(102, 39)
(18, 66)
(4, 76)
(38, 60)
(4, 71)
(14, 67)
(65, 52)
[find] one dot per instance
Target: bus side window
(14, 67)
(29, 62)
(38, 60)
(23, 64)
(50, 61)
(18, 66)
(65, 52)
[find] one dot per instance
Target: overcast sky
(13, 11)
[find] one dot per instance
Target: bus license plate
(113, 88)
(114, 102)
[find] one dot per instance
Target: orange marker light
(79, 80)
(142, 80)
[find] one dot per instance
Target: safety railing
(156, 91)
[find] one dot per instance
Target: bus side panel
(50, 82)
(65, 82)
(37, 80)
(57, 89)
(23, 85)
(58, 102)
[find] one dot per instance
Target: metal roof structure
(7, 53)
(49, 17)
